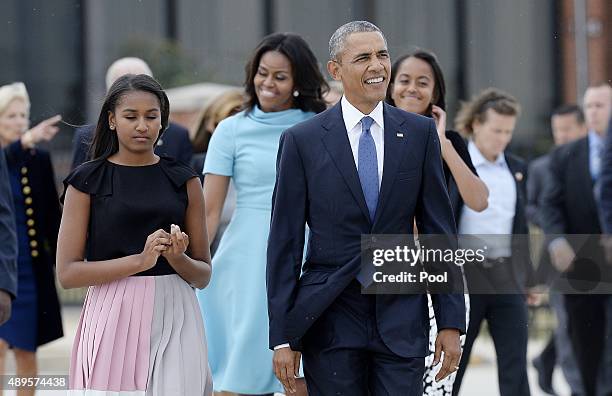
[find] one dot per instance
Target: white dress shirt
(352, 120)
(498, 217)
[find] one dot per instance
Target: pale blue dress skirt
(234, 305)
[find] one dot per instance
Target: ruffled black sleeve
(93, 178)
(176, 171)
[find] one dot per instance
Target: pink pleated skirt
(140, 336)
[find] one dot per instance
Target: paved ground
(480, 379)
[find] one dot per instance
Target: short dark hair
(105, 142)
(571, 108)
(439, 91)
(307, 77)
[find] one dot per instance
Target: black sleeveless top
(128, 203)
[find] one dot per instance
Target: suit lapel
(336, 142)
(584, 170)
(393, 156)
(516, 171)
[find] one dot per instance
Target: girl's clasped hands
(161, 243)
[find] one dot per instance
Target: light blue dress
(234, 305)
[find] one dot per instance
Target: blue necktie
(367, 166)
(596, 171)
(596, 161)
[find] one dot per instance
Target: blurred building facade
(544, 52)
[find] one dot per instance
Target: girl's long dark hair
(105, 142)
(307, 78)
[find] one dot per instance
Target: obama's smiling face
(363, 66)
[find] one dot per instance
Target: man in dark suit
(569, 207)
(605, 209)
(567, 124)
(8, 247)
(174, 141)
(361, 167)
(605, 198)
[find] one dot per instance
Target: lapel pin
(518, 176)
(399, 135)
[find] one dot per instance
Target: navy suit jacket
(8, 247)
(605, 198)
(318, 184)
(174, 143)
(539, 176)
(570, 207)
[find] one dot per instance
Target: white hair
(10, 92)
(123, 66)
(338, 39)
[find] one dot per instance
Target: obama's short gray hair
(338, 39)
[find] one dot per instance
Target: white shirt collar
(352, 116)
(479, 159)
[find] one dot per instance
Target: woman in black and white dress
(417, 85)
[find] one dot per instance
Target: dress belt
(491, 263)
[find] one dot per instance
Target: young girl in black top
(122, 235)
